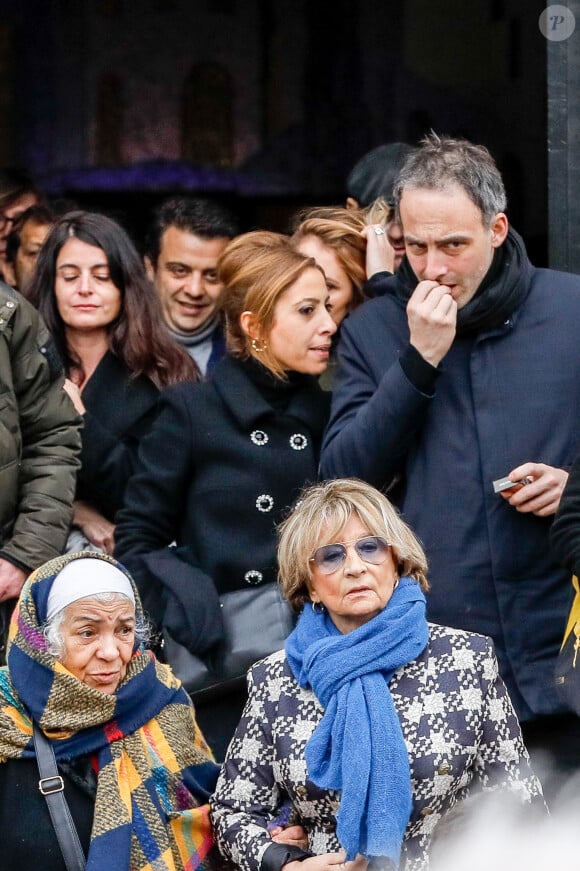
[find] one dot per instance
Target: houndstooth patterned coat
(457, 720)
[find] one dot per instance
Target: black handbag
(567, 672)
(256, 623)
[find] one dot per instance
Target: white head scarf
(85, 577)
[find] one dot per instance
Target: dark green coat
(39, 438)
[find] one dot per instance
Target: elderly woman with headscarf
(135, 768)
(373, 723)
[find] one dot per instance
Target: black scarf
(278, 392)
(502, 291)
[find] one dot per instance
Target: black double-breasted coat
(220, 468)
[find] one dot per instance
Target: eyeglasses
(372, 549)
(5, 220)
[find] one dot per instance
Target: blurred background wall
(265, 103)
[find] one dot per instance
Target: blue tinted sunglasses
(330, 557)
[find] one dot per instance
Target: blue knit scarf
(358, 746)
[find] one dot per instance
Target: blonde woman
(225, 459)
(373, 723)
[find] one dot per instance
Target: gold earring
(258, 346)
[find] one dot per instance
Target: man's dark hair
(15, 183)
(200, 216)
(42, 215)
(374, 175)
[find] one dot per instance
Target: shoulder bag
(51, 785)
(256, 623)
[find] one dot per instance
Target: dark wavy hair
(138, 336)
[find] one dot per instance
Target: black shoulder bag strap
(51, 785)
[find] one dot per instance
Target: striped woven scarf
(155, 771)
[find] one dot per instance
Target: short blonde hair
(255, 269)
(340, 230)
(320, 515)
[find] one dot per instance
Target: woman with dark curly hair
(104, 315)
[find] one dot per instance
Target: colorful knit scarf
(358, 747)
(155, 771)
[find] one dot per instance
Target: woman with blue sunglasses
(372, 723)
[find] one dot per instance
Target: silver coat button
(264, 503)
(298, 441)
(259, 437)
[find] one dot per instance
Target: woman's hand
(327, 861)
(75, 394)
(293, 835)
(97, 528)
(380, 253)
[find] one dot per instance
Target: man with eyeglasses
(18, 193)
(24, 244)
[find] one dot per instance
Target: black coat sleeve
(168, 578)
(120, 409)
(155, 497)
(108, 459)
(376, 409)
(157, 491)
(565, 531)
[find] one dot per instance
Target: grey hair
(442, 162)
(52, 629)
